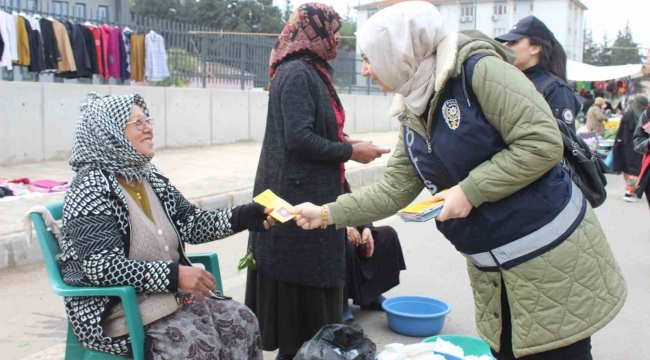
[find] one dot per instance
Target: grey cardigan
(300, 162)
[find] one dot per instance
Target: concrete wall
(38, 119)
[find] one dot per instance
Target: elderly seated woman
(124, 223)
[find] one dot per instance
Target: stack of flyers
(282, 210)
(422, 211)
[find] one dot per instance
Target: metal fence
(199, 56)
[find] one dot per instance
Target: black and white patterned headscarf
(99, 140)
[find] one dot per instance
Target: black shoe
(373, 306)
(353, 324)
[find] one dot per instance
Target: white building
(565, 18)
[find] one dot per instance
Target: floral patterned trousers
(215, 329)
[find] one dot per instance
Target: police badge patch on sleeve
(451, 113)
(567, 116)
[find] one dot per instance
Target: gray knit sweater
(300, 162)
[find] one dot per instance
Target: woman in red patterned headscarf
(296, 287)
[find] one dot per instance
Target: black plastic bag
(338, 342)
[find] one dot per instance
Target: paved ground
(33, 322)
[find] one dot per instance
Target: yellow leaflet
(282, 210)
(422, 205)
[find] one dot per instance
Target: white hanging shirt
(155, 64)
(8, 33)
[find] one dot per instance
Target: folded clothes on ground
(47, 186)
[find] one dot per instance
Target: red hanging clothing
(97, 35)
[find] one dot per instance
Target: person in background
(642, 146)
(619, 108)
(608, 108)
(589, 101)
(596, 117)
(626, 159)
(542, 273)
(543, 60)
(373, 261)
(297, 285)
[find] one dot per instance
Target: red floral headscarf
(309, 33)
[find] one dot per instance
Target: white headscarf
(400, 43)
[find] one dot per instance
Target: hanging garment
(156, 68)
(114, 46)
(35, 47)
(99, 50)
(106, 35)
(67, 62)
(8, 33)
(122, 57)
(137, 57)
(113, 50)
(50, 48)
(89, 40)
(79, 53)
(5, 56)
(37, 38)
(125, 51)
(23, 42)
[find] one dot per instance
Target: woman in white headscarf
(543, 276)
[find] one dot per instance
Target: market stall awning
(583, 72)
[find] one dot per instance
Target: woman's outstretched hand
(309, 216)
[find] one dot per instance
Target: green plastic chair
(73, 349)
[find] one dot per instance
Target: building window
(31, 5)
(514, 8)
(467, 10)
(80, 11)
(499, 31)
(102, 13)
(500, 9)
(12, 3)
(60, 8)
(531, 7)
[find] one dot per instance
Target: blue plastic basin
(416, 316)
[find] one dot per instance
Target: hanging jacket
(50, 47)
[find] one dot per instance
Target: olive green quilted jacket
(556, 299)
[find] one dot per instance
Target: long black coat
(626, 159)
(300, 162)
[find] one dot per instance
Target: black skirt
(368, 278)
(291, 314)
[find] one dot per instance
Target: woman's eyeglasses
(140, 123)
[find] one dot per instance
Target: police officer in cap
(543, 60)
